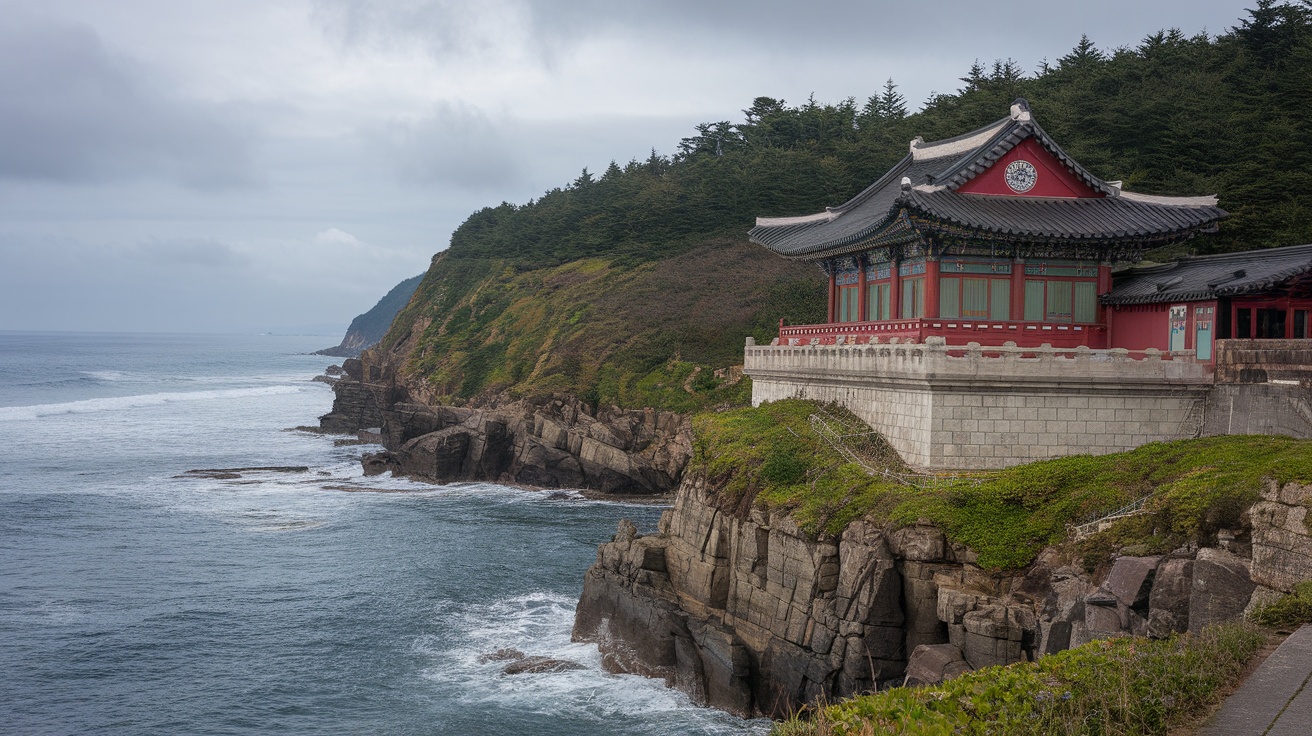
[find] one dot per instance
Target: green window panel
(974, 298)
(1086, 301)
(949, 300)
(1000, 299)
(913, 297)
(877, 306)
(1059, 301)
(848, 304)
(1033, 300)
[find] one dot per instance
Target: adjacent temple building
(974, 318)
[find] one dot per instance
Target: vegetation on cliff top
(1110, 687)
(606, 331)
(771, 455)
(619, 287)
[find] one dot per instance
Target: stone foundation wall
(1259, 408)
(986, 408)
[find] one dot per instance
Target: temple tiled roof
(924, 183)
(1209, 277)
(1109, 218)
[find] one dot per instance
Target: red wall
(1137, 327)
(1054, 179)
(1140, 326)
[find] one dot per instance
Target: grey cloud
(73, 111)
(195, 253)
(456, 144)
(849, 32)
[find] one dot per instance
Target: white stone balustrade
(974, 407)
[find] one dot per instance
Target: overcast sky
(278, 165)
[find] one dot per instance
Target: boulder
(539, 665)
(997, 634)
(1220, 589)
(933, 663)
(1130, 580)
(918, 543)
(501, 655)
(1168, 602)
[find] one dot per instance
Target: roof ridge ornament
(906, 184)
(915, 143)
(1020, 110)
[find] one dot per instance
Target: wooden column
(930, 307)
(833, 290)
(1104, 287)
(894, 288)
(861, 315)
(1018, 289)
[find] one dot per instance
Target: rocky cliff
(746, 613)
(552, 441)
(367, 329)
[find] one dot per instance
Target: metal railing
(1133, 508)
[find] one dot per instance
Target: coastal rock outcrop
(555, 443)
(744, 612)
(552, 442)
(359, 396)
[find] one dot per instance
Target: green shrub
(1294, 609)
(1105, 688)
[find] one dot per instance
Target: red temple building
(974, 319)
(993, 236)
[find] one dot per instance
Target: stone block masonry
(975, 408)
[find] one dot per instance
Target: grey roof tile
(1032, 218)
(1209, 277)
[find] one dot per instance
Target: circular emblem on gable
(1021, 176)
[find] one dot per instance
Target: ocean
(139, 598)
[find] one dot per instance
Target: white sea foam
(119, 403)
(539, 624)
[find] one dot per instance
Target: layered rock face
(359, 397)
(556, 442)
(553, 443)
(1281, 540)
(744, 613)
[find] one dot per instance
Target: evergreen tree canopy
(1177, 114)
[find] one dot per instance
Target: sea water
(138, 598)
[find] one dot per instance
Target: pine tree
(892, 105)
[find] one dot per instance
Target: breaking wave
(120, 403)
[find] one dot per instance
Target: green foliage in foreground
(1289, 611)
(770, 455)
(1105, 688)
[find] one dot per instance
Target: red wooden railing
(955, 331)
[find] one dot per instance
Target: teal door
(1203, 338)
(1179, 316)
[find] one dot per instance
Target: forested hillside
(582, 290)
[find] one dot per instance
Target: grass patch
(1108, 688)
(770, 455)
(609, 331)
(1294, 609)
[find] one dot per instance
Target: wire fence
(867, 448)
